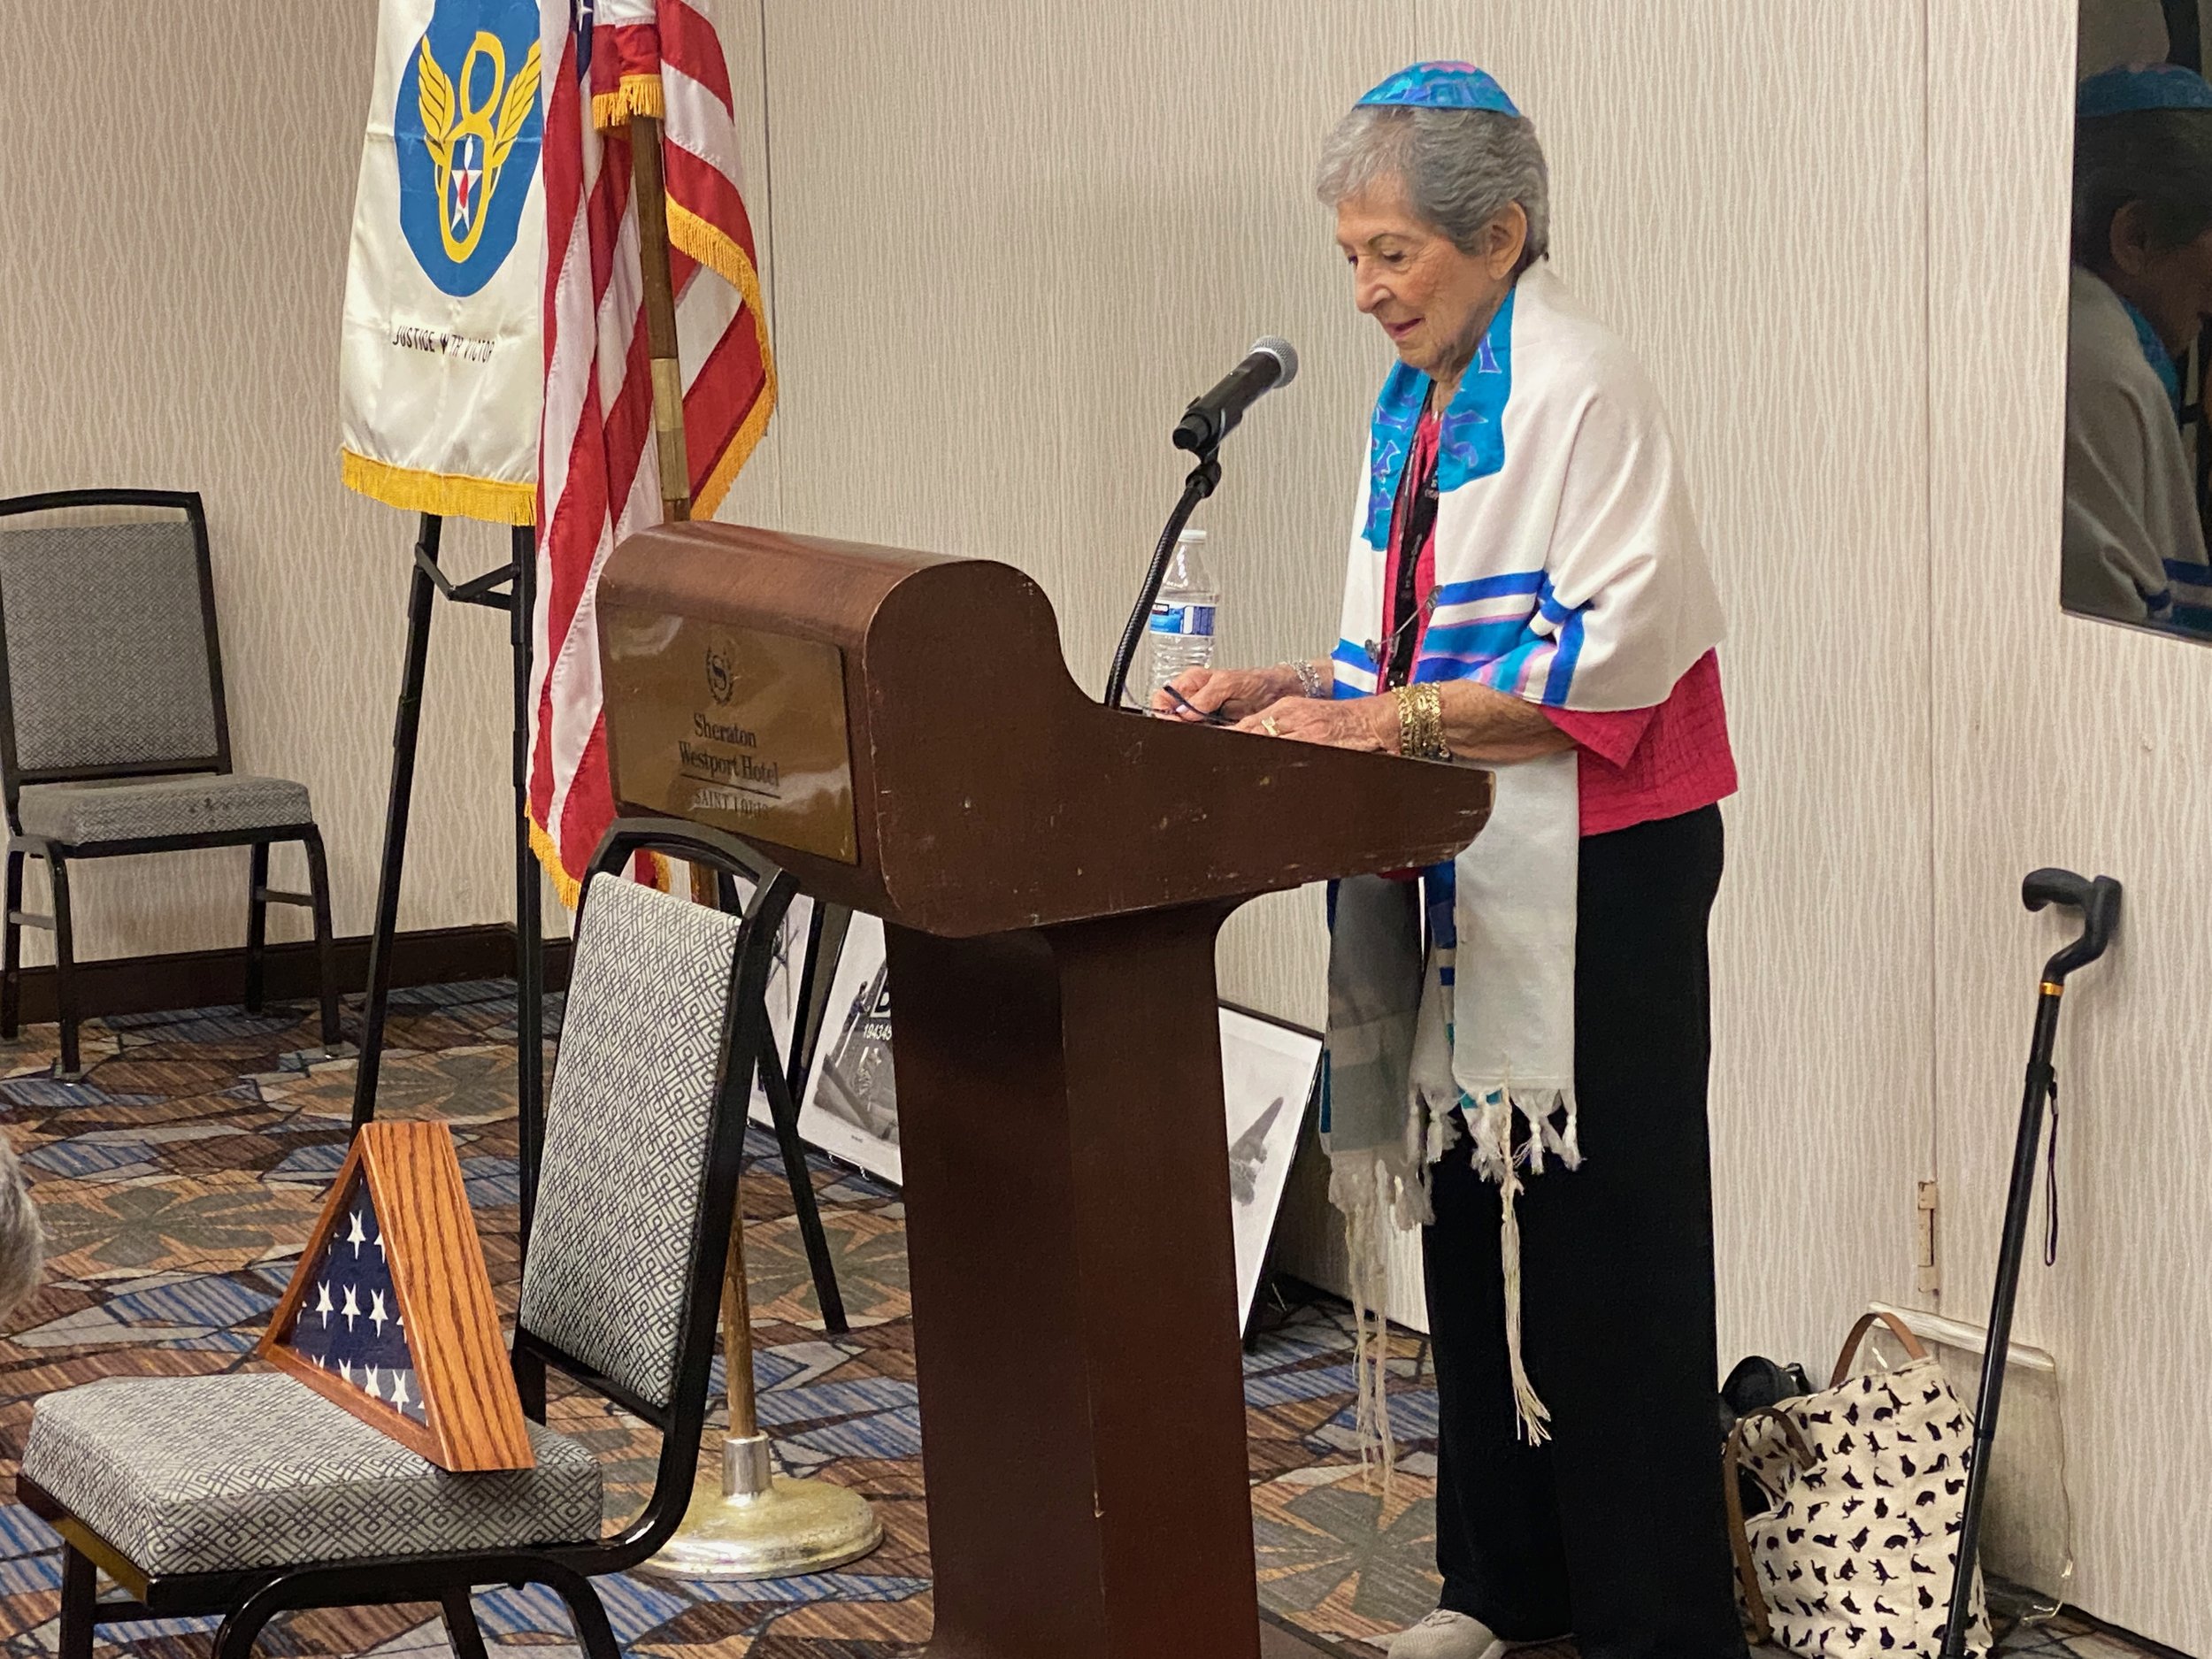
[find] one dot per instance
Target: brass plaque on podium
(731, 726)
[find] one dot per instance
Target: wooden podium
(901, 733)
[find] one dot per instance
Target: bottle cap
(1190, 538)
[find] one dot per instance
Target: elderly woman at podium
(1518, 1040)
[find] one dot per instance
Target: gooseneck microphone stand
(1201, 482)
(1211, 417)
(2098, 903)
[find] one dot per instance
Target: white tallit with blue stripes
(1568, 572)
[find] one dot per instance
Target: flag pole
(648, 187)
(745, 1521)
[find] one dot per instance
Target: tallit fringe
(1364, 1188)
(1553, 1130)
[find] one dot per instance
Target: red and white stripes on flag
(597, 481)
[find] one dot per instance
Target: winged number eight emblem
(469, 141)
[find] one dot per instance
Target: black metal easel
(512, 588)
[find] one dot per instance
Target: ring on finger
(1267, 725)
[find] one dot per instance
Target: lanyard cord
(1419, 519)
(2050, 1201)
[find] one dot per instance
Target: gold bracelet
(1421, 723)
(1434, 747)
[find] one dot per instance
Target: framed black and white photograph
(850, 1109)
(783, 993)
(1267, 1078)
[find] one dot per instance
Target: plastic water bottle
(1183, 614)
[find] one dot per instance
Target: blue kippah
(1443, 87)
(2132, 87)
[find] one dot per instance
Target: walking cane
(2099, 902)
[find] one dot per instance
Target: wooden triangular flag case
(390, 1314)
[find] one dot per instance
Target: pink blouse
(1637, 764)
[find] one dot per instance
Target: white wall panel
(2061, 740)
(1009, 244)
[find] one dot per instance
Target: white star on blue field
(352, 1325)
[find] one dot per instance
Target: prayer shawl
(1568, 572)
(2131, 536)
(2134, 547)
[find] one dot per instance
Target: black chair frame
(249, 1599)
(57, 854)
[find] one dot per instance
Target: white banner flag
(441, 374)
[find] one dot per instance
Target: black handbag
(1755, 1384)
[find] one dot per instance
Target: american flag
(349, 1323)
(596, 482)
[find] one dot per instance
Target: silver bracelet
(1309, 679)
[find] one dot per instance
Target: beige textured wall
(172, 262)
(1080, 223)
(2061, 741)
(1004, 244)
(1070, 263)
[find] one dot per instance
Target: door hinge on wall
(1928, 1275)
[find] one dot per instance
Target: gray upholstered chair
(250, 1495)
(113, 735)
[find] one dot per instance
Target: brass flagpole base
(751, 1522)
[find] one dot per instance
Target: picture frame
(1269, 1068)
(782, 993)
(1269, 1072)
(850, 1109)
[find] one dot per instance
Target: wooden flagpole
(649, 189)
(744, 1520)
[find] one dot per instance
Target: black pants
(1614, 1530)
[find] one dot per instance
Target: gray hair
(2161, 158)
(23, 1240)
(1460, 168)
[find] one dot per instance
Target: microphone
(1270, 363)
(1213, 416)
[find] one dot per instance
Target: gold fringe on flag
(447, 494)
(722, 255)
(637, 94)
(567, 888)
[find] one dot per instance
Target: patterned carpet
(178, 1182)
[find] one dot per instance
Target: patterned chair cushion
(131, 808)
(210, 1474)
(627, 1127)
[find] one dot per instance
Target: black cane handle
(2099, 902)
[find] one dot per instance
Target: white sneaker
(1444, 1634)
